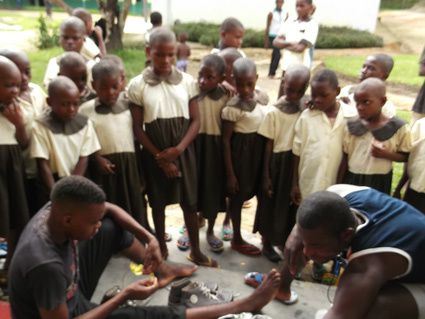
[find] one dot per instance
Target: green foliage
(47, 37)
(343, 37)
(397, 4)
(329, 37)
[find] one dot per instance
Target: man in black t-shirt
(66, 246)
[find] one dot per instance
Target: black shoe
(271, 255)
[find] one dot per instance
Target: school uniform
(363, 168)
(218, 50)
(62, 144)
(299, 32)
(415, 193)
(52, 70)
(418, 108)
(275, 217)
(13, 204)
(87, 95)
(209, 155)
(165, 104)
(113, 126)
(247, 147)
(318, 143)
(90, 50)
(388, 109)
(31, 110)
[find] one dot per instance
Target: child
(231, 36)
(72, 35)
(415, 192)
(296, 37)
(376, 66)
(90, 49)
(418, 109)
(275, 217)
(156, 21)
(73, 66)
(166, 121)
(13, 138)
(318, 138)
(62, 138)
(242, 147)
(183, 52)
(373, 141)
(116, 160)
(32, 101)
(117, 60)
(211, 179)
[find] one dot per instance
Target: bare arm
(342, 170)
(13, 114)
(382, 152)
(359, 286)
(43, 167)
(267, 181)
(81, 167)
(99, 34)
(266, 33)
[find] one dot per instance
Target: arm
(139, 133)
(99, 35)
(266, 33)
(80, 168)
(361, 282)
(13, 114)
(295, 190)
(267, 182)
(297, 47)
(382, 152)
(105, 165)
(342, 170)
(403, 180)
(227, 132)
(45, 173)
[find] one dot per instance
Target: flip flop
(246, 249)
(227, 232)
(254, 279)
(216, 245)
(209, 263)
(168, 237)
(183, 243)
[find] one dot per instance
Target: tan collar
(57, 127)
(121, 105)
(174, 78)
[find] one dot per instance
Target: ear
(256, 78)
(222, 34)
(148, 51)
(67, 219)
(384, 100)
(338, 90)
(48, 100)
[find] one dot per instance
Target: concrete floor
(233, 267)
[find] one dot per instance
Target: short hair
(325, 210)
(230, 24)
(326, 75)
(115, 59)
(298, 71)
(244, 66)
(71, 60)
(73, 22)
(156, 18)
(78, 190)
(82, 14)
(214, 61)
(105, 69)
(231, 54)
(59, 84)
(386, 60)
(161, 35)
(375, 84)
(7, 65)
(13, 54)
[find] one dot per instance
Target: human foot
(245, 248)
(265, 292)
(215, 243)
(202, 260)
(167, 272)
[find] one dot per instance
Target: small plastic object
(137, 270)
(332, 278)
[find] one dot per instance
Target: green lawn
(405, 70)
(27, 23)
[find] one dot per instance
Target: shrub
(329, 37)
(47, 38)
(398, 4)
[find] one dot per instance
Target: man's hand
(153, 257)
(142, 289)
(293, 253)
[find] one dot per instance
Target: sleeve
(346, 140)
(296, 146)
(405, 141)
(389, 109)
(311, 33)
(47, 285)
(231, 114)
(52, 71)
(90, 143)
(192, 87)
(135, 90)
(418, 131)
(267, 127)
(90, 50)
(39, 145)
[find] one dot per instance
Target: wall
(358, 14)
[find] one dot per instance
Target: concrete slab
(233, 267)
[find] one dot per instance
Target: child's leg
(158, 214)
(215, 243)
(191, 221)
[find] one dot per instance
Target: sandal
(215, 244)
(168, 237)
(182, 229)
(183, 243)
(227, 232)
(246, 249)
(209, 263)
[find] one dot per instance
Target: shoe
(216, 244)
(209, 263)
(183, 243)
(227, 232)
(246, 249)
(271, 255)
(115, 290)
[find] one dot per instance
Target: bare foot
(168, 272)
(215, 243)
(202, 260)
(164, 252)
(265, 292)
(283, 296)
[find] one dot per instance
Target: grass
(405, 70)
(26, 23)
(397, 4)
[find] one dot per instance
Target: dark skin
(24, 66)
(183, 50)
(72, 38)
(78, 75)
(323, 96)
(162, 56)
(232, 38)
(364, 290)
(279, 4)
